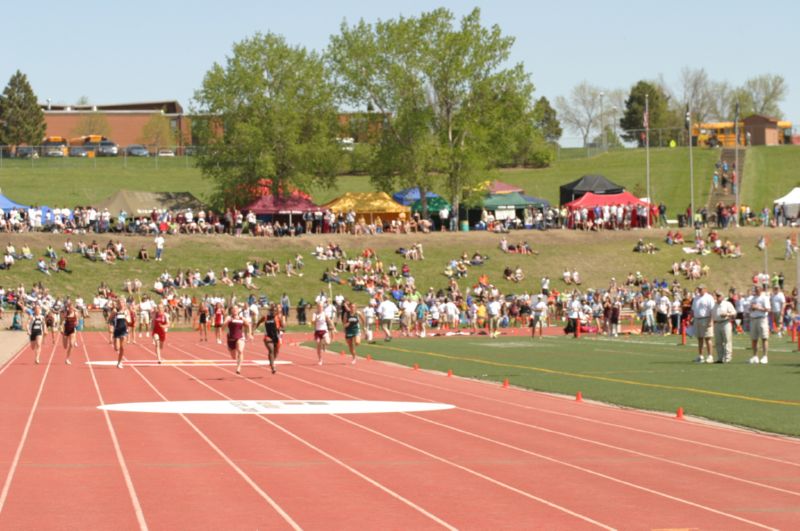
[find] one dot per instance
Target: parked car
(27, 152)
(137, 150)
(164, 152)
(53, 151)
(107, 148)
(78, 151)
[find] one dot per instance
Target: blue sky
(138, 51)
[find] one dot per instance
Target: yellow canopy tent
(370, 205)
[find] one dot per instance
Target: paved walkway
(10, 343)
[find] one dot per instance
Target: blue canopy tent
(537, 201)
(7, 204)
(409, 196)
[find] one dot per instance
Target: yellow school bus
(55, 146)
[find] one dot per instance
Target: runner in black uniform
(37, 328)
(68, 327)
(202, 320)
(118, 323)
(273, 328)
(353, 320)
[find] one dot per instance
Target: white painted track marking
(275, 407)
(137, 507)
(15, 461)
(322, 452)
(185, 363)
(266, 497)
(423, 452)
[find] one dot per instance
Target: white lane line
(332, 458)
(13, 358)
(611, 424)
(15, 461)
(441, 459)
(551, 459)
(266, 497)
(137, 507)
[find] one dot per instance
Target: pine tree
(21, 117)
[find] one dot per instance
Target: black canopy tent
(597, 184)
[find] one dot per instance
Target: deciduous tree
(269, 114)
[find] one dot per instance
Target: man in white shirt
(159, 241)
(493, 309)
(722, 315)
(759, 327)
(777, 304)
(387, 310)
(574, 314)
(539, 314)
(702, 307)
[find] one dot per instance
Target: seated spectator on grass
(62, 265)
(26, 252)
(41, 267)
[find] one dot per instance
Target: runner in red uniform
(236, 326)
(160, 326)
(219, 318)
(68, 329)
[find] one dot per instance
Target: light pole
(614, 122)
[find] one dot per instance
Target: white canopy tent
(790, 203)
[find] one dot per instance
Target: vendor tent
(435, 204)
(505, 201)
(139, 203)
(369, 205)
(790, 203)
(7, 204)
(597, 184)
(270, 205)
(537, 202)
(409, 196)
(591, 200)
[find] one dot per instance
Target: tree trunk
(423, 197)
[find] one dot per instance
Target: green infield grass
(653, 373)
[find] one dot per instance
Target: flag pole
(737, 184)
(691, 160)
(647, 149)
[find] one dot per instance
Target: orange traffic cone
(369, 357)
(416, 366)
(579, 397)
(449, 373)
(679, 414)
(505, 383)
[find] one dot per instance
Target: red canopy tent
(499, 187)
(590, 200)
(271, 205)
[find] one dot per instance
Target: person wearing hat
(722, 315)
(702, 307)
(539, 311)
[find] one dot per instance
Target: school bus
(55, 146)
(90, 143)
(716, 134)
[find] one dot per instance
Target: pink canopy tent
(590, 200)
(291, 204)
(499, 187)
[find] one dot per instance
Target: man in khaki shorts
(702, 307)
(759, 326)
(722, 315)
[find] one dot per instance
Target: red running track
(503, 458)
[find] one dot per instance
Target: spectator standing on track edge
(702, 307)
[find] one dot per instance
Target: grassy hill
(770, 172)
(596, 258)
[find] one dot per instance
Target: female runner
(118, 325)
(322, 325)
(236, 325)
(160, 326)
(219, 318)
(37, 328)
(273, 328)
(202, 320)
(68, 327)
(353, 320)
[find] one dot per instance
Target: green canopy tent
(513, 200)
(435, 204)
